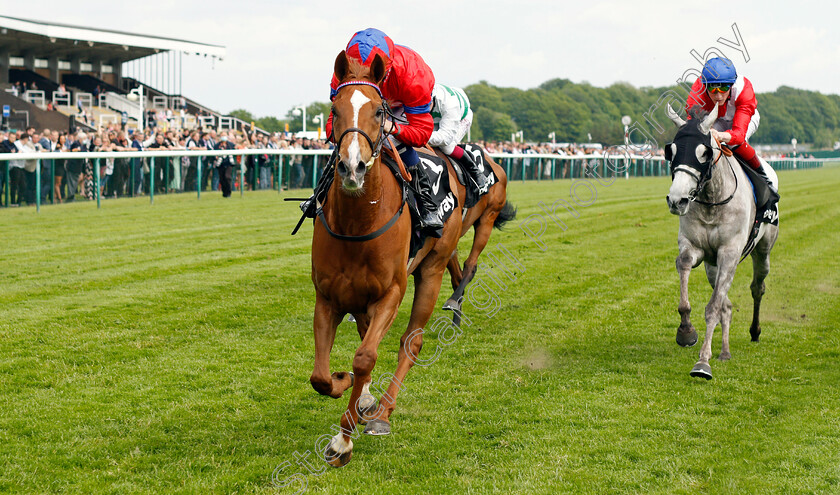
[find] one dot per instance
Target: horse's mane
(697, 112)
(357, 71)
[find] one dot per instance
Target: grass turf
(167, 348)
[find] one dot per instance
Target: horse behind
(360, 256)
(711, 194)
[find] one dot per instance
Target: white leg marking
(339, 445)
(366, 399)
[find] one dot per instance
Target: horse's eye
(379, 112)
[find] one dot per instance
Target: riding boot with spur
(469, 163)
(428, 211)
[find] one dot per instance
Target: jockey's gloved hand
(307, 206)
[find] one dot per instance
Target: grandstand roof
(47, 39)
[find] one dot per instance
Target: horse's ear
(377, 69)
(342, 65)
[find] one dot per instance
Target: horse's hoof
(452, 305)
(686, 338)
(335, 459)
(702, 370)
(755, 333)
(724, 356)
(378, 427)
(366, 408)
(339, 375)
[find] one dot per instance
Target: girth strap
(360, 238)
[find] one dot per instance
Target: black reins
(704, 176)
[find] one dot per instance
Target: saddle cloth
(473, 193)
(442, 195)
(766, 207)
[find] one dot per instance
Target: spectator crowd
(73, 179)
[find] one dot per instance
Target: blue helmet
(719, 70)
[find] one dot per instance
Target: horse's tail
(507, 214)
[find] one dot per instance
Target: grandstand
(61, 76)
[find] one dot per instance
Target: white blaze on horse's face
(354, 180)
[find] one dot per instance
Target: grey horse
(712, 196)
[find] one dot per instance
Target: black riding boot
(760, 172)
(472, 167)
(765, 215)
(428, 211)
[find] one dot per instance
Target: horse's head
(358, 119)
(691, 154)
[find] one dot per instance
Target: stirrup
(480, 179)
(430, 221)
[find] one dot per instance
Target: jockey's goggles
(718, 88)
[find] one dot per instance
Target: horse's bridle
(376, 148)
(704, 176)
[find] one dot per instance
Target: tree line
(580, 112)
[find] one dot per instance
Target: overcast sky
(280, 53)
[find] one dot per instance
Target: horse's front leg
(382, 313)
(688, 258)
(325, 323)
(717, 310)
(726, 314)
(427, 288)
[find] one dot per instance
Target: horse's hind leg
(483, 229)
(761, 267)
(325, 323)
(687, 259)
(454, 268)
(457, 277)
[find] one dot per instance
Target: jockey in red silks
(408, 88)
(738, 117)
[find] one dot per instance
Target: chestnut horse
(360, 255)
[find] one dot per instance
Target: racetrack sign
(6, 110)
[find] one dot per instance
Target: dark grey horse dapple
(712, 196)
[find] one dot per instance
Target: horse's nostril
(342, 167)
(684, 202)
(360, 167)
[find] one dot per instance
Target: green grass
(168, 349)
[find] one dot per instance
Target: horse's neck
(720, 184)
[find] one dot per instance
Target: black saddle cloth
(473, 193)
(444, 199)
